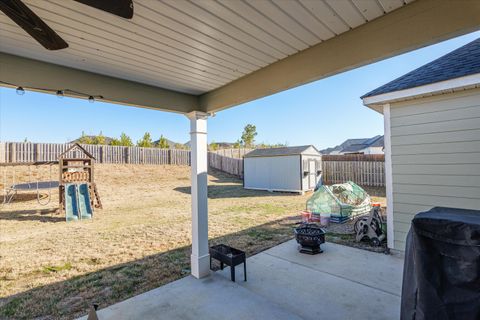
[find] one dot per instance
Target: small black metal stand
(229, 256)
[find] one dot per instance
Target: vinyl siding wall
(279, 173)
(435, 156)
(373, 150)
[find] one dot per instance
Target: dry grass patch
(50, 269)
(139, 241)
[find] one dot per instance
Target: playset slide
(77, 202)
(71, 206)
(84, 205)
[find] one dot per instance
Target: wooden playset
(77, 170)
(78, 194)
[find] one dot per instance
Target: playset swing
(11, 190)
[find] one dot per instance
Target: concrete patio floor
(341, 283)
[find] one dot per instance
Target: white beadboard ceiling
(188, 46)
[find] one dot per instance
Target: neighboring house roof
(459, 63)
(354, 148)
(329, 150)
(376, 141)
(351, 142)
(283, 151)
(356, 145)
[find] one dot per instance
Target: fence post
(13, 152)
(3, 152)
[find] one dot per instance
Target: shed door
(312, 174)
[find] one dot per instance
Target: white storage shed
(432, 138)
(290, 169)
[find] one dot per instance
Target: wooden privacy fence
(34, 152)
(365, 170)
(231, 165)
(233, 152)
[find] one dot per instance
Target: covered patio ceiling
(183, 56)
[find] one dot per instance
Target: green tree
(263, 146)
(84, 139)
(179, 146)
(100, 139)
(115, 142)
(125, 140)
(248, 135)
(237, 144)
(146, 141)
(213, 146)
(163, 143)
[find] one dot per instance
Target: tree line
(124, 140)
(247, 140)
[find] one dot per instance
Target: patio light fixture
(20, 91)
(59, 93)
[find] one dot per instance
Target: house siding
(435, 156)
(372, 150)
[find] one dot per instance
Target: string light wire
(59, 92)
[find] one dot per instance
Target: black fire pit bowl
(310, 236)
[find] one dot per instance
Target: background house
(358, 146)
(432, 138)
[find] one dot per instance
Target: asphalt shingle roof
(354, 145)
(283, 151)
(461, 62)
(376, 141)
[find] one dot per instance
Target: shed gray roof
(461, 62)
(283, 151)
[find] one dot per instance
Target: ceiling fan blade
(122, 8)
(32, 24)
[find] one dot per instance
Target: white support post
(388, 175)
(200, 258)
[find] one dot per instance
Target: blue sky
(323, 113)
